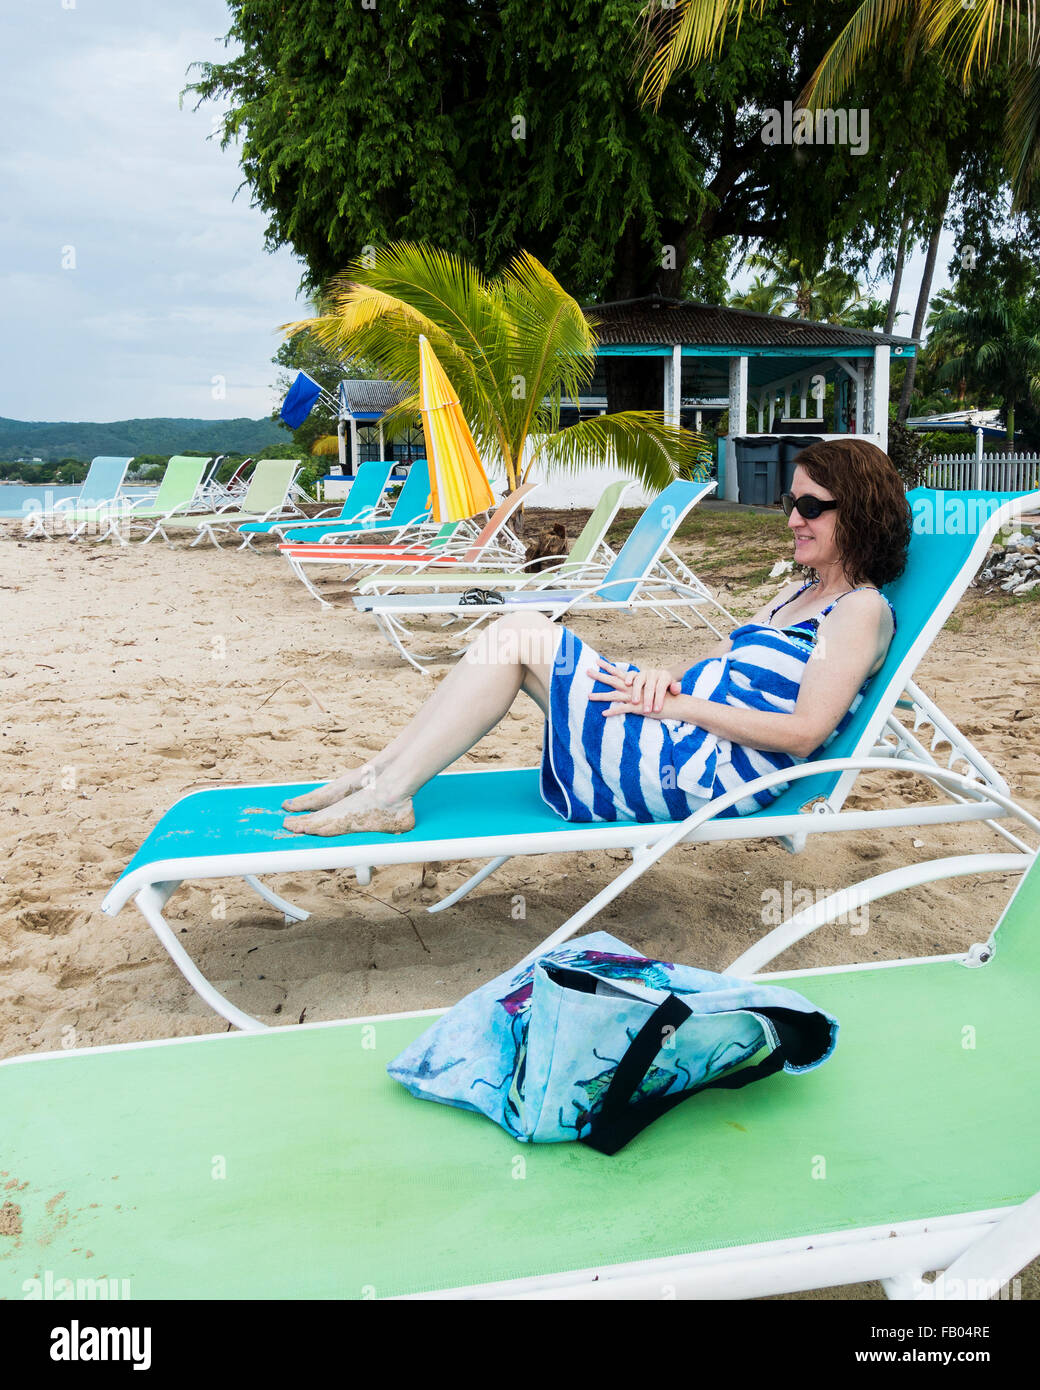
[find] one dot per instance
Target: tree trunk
(924, 295)
(897, 277)
(637, 383)
(1009, 421)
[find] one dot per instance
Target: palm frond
(682, 37)
(1022, 131)
(638, 442)
(874, 25)
(382, 303)
(975, 38)
(553, 346)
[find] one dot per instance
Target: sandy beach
(130, 676)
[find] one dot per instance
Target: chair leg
(389, 626)
(903, 1286)
(471, 883)
(300, 574)
(292, 914)
(151, 901)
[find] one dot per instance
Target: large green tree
(975, 41)
(493, 125)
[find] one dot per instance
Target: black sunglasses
(807, 506)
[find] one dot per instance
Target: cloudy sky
(130, 275)
(132, 281)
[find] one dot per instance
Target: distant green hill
(47, 441)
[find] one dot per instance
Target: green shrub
(909, 452)
(956, 442)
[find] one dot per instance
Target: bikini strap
(860, 590)
(807, 585)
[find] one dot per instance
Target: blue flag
(299, 403)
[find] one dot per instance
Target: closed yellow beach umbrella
(458, 483)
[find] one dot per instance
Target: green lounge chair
(587, 547)
(266, 497)
(287, 1164)
(98, 499)
(179, 492)
(494, 815)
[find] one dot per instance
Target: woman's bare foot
(331, 792)
(354, 814)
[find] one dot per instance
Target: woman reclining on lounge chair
(771, 696)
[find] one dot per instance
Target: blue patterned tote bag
(593, 1042)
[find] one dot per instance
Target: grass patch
(707, 527)
(1014, 600)
(759, 576)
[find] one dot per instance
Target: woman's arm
(851, 643)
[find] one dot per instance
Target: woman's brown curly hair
(873, 518)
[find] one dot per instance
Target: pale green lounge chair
(266, 497)
(287, 1164)
(179, 493)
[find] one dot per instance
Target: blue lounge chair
(97, 501)
(360, 506)
(410, 510)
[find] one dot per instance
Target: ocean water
(16, 500)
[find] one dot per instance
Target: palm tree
(973, 37)
(992, 347)
(762, 296)
(866, 312)
(828, 296)
(514, 346)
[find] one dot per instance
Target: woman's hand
(634, 692)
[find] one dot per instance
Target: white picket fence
(993, 473)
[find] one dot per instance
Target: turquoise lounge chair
(639, 577)
(495, 815)
(410, 511)
(360, 506)
(286, 1164)
(96, 502)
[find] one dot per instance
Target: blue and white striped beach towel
(629, 767)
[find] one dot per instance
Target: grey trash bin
(758, 469)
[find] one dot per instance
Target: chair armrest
(683, 830)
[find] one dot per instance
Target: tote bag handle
(618, 1120)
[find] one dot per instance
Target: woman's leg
(513, 654)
